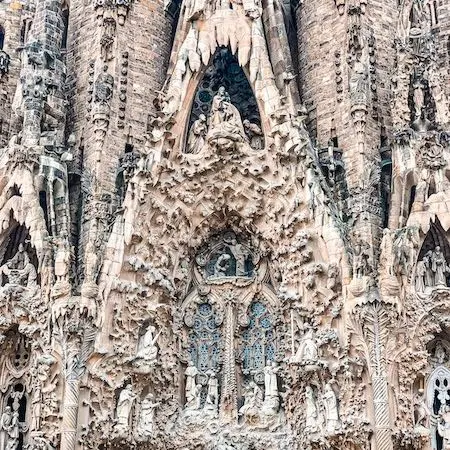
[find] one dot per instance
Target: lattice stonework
(258, 338)
(204, 339)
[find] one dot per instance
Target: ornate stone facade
(225, 225)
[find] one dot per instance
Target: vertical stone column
(70, 413)
(228, 408)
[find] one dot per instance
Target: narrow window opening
(2, 37)
(65, 19)
(44, 206)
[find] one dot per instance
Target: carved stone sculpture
(147, 416)
(191, 373)
(147, 350)
(19, 270)
(331, 409)
(197, 134)
(123, 410)
(271, 396)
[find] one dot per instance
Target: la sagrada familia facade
(224, 224)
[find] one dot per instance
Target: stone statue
(240, 253)
(225, 119)
(255, 135)
(147, 416)
(271, 396)
(147, 350)
(387, 254)
(19, 270)
(308, 351)
(331, 409)
(6, 421)
(212, 396)
(429, 276)
(443, 425)
(421, 271)
(439, 267)
(123, 409)
(312, 416)
(191, 377)
(253, 400)
(421, 410)
(222, 265)
(195, 399)
(440, 354)
(197, 134)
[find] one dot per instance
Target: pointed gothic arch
(224, 71)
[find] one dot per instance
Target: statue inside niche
(197, 135)
(308, 351)
(253, 401)
(330, 403)
(222, 265)
(19, 270)
(255, 134)
(443, 426)
(123, 410)
(432, 271)
(191, 373)
(147, 416)
(212, 397)
(225, 123)
(421, 411)
(271, 402)
(312, 414)
(147, 349)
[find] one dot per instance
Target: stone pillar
(70, 413)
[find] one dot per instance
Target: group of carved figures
(432, 270)
(256, 401)
(125, 404)
(10, 424)
(19, 270)
(224, 121)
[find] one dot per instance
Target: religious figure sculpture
(443, 426)
(6, 421)
(308, 351)
(222, 265)
(191, 383)
(225, 124)
(240, 253)
(255, 135)
(147, 416)
(271, 395)
(19, 270)
(194, 401)
(387, 254)
(123, 410)
(212, 396)
(312, 415)
(331, 409)
(421, 410)
(13, 432)
(197, 134)
(439, 267)
(147, 350)
(421, 271)
(253, 400)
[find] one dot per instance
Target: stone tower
(225, 224)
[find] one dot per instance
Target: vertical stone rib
(229, 395)
(70, 413)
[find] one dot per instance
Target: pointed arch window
(204, 339)
(258, 338)
(226, 78)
